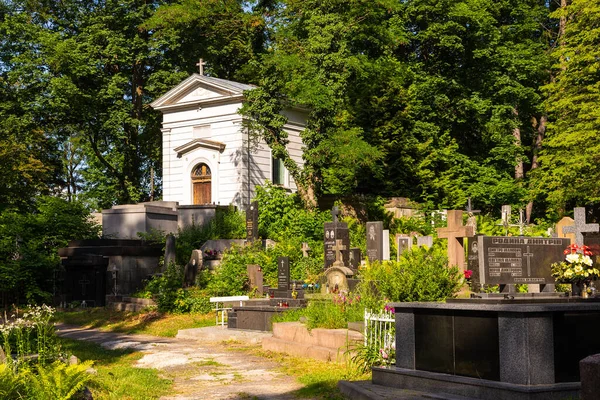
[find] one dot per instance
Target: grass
(146, 322)
(115, 372)
(319, 377)
(116, 378)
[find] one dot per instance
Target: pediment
(198, 90)
(199, 143)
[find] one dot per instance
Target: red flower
(468, 273)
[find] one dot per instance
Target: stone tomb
(489, 349)
(86, 262)
(508, 260)
(375, 241)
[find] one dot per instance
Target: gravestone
(386, 244)
(563, 223)
(375, 241)
(170, 251)
(192, 267)
(455, 232)
(403, 243)
(305, 249)
(283, 273)
(255, 277)
(424, 241)
(252, 222)
(580, 227)
(337, 275)
(502, 260)
(354, 258)
(335, 231)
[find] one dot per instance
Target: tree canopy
(437, 101)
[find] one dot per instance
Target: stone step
(304, 350)
(296, 332)
(137, 300)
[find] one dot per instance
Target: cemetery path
(200, 362)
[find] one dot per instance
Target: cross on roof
(305, 249)
(200, 64)
(580, 226)
(455, 232)
(335, 211)
(338, 252)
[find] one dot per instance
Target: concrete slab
(366, 390)
(221, 333)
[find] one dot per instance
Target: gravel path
(200, 363)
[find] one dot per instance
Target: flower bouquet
(577, 268)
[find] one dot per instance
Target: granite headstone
(403, 243)
(335, 231)
(252, 222)
(510, 260)
(375, 241)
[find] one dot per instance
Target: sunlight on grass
(145, 322)
(116, 377)
(319, 377)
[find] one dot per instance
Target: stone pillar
(589, 369)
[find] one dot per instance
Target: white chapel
(207, 158)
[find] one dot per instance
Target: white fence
(380, 329)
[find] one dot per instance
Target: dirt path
(200, 364)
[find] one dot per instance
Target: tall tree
(570, 169)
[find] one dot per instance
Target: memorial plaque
(283, 273)
(335, 231)
(354, 258)
(511, 260)
(403, 243)
(252, 222)
(375, 241)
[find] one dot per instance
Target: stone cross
(334, 213)
(580, 226)
(200, 64)
(338, 252)
(305, 249)
(455, 232)
(83, 282)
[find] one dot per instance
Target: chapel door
(201, 184)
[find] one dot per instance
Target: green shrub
(329, 314)
(420, 275)
(57, 381)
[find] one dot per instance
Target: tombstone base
(438, 383)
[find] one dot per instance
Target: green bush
(329, 314)
(227, 224)
(420, 275)
(57, 381)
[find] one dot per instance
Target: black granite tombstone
(511, 260)
(335, 231)
(252, 222)
(375, 241)
(354, 258)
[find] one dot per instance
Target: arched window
(201, 184)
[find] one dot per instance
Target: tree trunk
(537, 147)
(519, 174)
